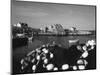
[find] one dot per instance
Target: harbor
(51, 37)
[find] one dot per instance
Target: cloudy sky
(37, 15)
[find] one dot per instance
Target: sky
(37, 15)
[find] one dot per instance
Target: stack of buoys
(82, 62)
(90, 44)
(80, 65)
(45, 55)
(34, 57)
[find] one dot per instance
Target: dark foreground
(61, 53)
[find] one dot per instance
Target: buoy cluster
(44, 57)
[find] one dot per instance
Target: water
(63, 40)
(40, 40)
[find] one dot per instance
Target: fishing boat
(73, 42)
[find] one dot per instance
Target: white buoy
(49, 67)
(84, 48)
(81, 67)
(22, 61)
(80, 61)
(51, 55)
(65, 67)
(74, 67)
(45, 50)
(38, 57)
(34, 67)
(85, 54)
(45, 61)
(55, 69)
(92, 47)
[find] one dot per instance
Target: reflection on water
(40, 40)
(63, 40)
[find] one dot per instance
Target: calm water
(40, 40)
(63, 40)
